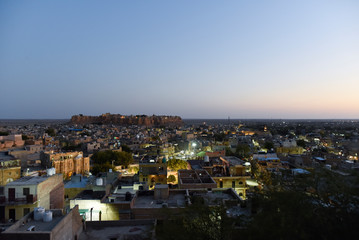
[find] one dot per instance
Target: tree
(4, 133)
(24, 137)
(319, 205)
(97, 168)
(171, 179)
(126, 148)
(197, 221)
(115, 157)
(268, 145)
(177, 164)
(51, 132)
(301, 143)
(243, 150)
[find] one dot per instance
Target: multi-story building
(152, 172)
(20, 197)
(66, 163)
(227, 172)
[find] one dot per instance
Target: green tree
(126, 148)
(24, 137)
(171, 179)
(4, 133)
(243, 150)
(115, 157)
(177, 164)
(51, 132)
(301, 143)
(197, 221)
(97, 168)
(268, 145)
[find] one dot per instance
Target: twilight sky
(195, 59)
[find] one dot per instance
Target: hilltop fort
(119, 119)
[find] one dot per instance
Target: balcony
(29, 199)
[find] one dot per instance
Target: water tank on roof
(50, 171)
(39, 213)
(206, 159)
(99, 181)
(47, 217)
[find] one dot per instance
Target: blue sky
(195, 59)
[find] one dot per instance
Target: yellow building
(66, 163)
(23, 195)
(153, 172)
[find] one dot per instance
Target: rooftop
(89, 195)
(145, 199)
(124, 229)
(42, 226)
(28, 180)
(233, 161)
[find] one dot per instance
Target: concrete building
(153, 172)
(97, 206)
(66, 163)
(21, 196)
(227, 172)
(163, 202)
(195, 179)
(60, 226)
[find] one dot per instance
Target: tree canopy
(107, 156)
(176, 164)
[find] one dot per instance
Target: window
(26, 191)
(1, 190)
(26, 211)
(233, 184)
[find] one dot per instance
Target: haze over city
(202, 59)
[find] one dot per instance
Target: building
(195, 179)
(10, 168)
(20, 197)
(127, 229)
(66, 163)
(14, 140)
(153, 172)
(227, 172)
(59, 226)
(164, 202)
(98, 206)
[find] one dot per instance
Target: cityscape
(159, 120)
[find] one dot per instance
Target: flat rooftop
(214, 197)
(194, 176)
(28, 180)
(5, 157)
(233, 160)
(40, 226)
(146, 199)
(117, 230)
(90, 195)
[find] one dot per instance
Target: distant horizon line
(3, 119)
